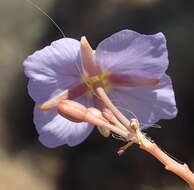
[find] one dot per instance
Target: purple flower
(132, 68)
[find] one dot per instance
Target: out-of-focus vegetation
(93, 165)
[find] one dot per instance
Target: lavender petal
(55, 130)
(53, 69)
(131, 53)
(149, 104)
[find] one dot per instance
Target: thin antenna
(128, 111)
(43, 12)
(176, 159)
(55, 24)
(148, 126)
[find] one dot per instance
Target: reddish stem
(181, 170)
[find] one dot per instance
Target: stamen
(97, 78)
(102, 78)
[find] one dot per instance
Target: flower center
(92, 81)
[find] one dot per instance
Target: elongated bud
(72, 110)
(53, 101)
(92, 119)
(91, 68)
(95, 112)
(108, 115)
(104, 132)
(112, 119)
(76, 112)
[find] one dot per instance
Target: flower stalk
(181, 170)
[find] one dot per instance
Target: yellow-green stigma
(102, 78)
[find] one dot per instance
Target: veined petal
(53, 69)
(55, 130)
(67, 94)
(42, 91)
(130, 53)
(131, 80)
(150, 103)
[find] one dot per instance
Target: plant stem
(181, 170)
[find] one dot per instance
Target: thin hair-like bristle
(148, 126)
(130, 112)
(176, 159)
(55, 24)
(43, 12)
(143, 126)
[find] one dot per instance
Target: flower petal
(131, 80)
(55, 130)
(130, 53)
(149, 104)
(53, 69)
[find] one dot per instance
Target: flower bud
(95, 112)
(72, 110)
(104, 132)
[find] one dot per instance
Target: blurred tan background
(93, 165)
(22, 166)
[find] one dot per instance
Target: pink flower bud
(72, 110)
(95, 112)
